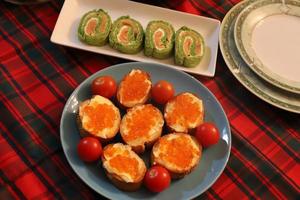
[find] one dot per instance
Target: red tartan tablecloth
(38, 76)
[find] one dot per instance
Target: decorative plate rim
(258, 67)
(229, 60)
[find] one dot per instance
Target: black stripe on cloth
(28, 163)
(74, 59)
(208, 9)
(44, 81)
(251, 109)
(242, 109)
(215, 195)
(208, 194)
(40, 112)
(31, 67)
(238, 181)
(34, 152)
(265, 167)
(39, 54)
(73, 54)
(57, 5)
(12, 185)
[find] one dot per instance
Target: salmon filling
(157, 38)
(184, 112)
(90, 27)
(135, 86)
(123, 34)
(98, 117)
(188, 39)
(178, 151)
(127, 22)
(140, 123)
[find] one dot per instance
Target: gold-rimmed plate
(267, 36)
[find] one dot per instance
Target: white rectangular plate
(65, 31)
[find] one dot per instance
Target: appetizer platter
(130, 30)
(139, 135)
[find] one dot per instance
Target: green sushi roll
(127, 35)
(94, 27)
(159, 39)
(189, 47)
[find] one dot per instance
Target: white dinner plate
(264, 90)
(65, 31)
(267, 34)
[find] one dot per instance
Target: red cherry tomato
(162, 92)
(207, 134)
(157, 178)
(105, 86)
(89, 149)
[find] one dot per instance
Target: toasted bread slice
(134, 89)
(141, 126)
(123, 166)
(179, 153)
(98, 117)
(184, 112)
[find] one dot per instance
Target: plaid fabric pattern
(37, 77)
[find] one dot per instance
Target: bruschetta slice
(98, 117)
(179, 153)
(184, 112)
(134, 89)
(123, 166)
(141, 126)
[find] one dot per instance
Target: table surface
(38, 76)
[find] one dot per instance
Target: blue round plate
(213, 159)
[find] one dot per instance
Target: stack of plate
(260, 42)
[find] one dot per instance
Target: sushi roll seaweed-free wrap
(94, 27)
(189, 47)
(127, 35)
(159, 39)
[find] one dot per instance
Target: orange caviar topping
(109, 151)
(125, 164)
(178, 151)
(135, 86)
(140, 122)
(100, 116)
(185, 111)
